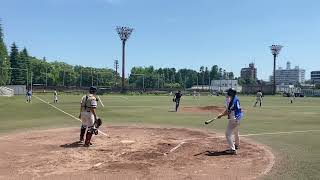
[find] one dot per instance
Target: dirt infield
(216, 109)
(129, 153)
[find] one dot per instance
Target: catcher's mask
(93, 90)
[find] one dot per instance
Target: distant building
(224, 84)
(249, 72)
(289, 76)
(315, 77)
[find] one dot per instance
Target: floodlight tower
(275, 50)
(124, 34)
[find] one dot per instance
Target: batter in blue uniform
(235, 115)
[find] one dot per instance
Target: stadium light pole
(124, 34)
(275, 50)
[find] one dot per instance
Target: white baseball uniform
(55, 96)
(87, 117)
(259, 96)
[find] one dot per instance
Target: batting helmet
(231, 92)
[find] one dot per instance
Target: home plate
(97, 165)
(127, 141)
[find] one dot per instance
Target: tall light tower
(124, 34)
(275, 50)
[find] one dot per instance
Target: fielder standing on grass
(292, 97)
(259, 98)
(55, 96)
(177, 98)
(29, 95)
(88, 115)
(235, 114)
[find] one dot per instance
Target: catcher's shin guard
(88, 139)
(88, 136)
(82, 132)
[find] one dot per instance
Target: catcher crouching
(88, 116)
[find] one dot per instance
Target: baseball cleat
(236, 147)
(231, 152)
(87, 145)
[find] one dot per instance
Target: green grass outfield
(297, 153)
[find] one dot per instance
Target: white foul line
(284, 132)
(100, 100)
(65, 113)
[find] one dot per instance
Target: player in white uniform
(88, 115)
(234, 114)
(292, 97)
(259, 98)
(55, 96)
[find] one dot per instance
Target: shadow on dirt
(213, 153)
(72, 145)
(172, 111)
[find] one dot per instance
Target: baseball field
(142, 138)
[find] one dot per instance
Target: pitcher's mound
(128, 153)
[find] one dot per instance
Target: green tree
(214, 74)
(17, 77)
(230, 75)
(4, 60)
(24, 61)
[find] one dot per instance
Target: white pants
(87, 118)
(233, 127)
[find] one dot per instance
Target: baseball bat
(210, 121)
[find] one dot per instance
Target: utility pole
(46, 77)
(64, 74)
(158, 81)
(81, 78)
(91, 77)
(124, 34)
(116, 66)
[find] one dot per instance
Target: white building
(225, 84)
(290, 76)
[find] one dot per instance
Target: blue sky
(168, 33)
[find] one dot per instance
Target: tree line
(19, 68)
(149, 77)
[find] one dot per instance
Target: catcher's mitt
(96, 125)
